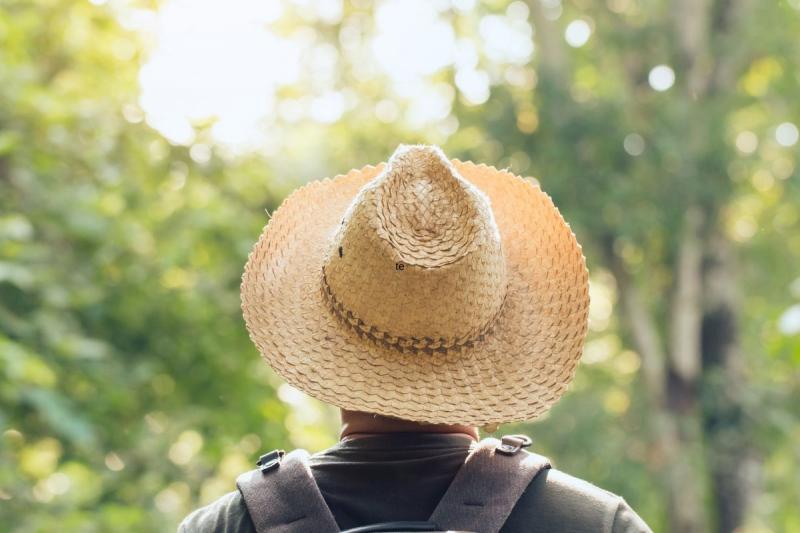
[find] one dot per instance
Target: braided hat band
(424, 289)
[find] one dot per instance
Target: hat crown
(429, 214)
(417, 262)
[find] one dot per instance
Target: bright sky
(222, 61)
(215, 59)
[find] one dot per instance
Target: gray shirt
(403, 476)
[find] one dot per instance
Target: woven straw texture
(424, 289)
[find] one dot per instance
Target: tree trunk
(674, 424)
(699, 440)
(734, 465)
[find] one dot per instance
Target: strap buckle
(270, 460)
(511, 444)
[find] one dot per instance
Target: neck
(356, 424)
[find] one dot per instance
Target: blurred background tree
(142, 142)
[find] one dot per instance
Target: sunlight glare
(215, 60)
(466, 54)
(463, 5)
(474, 85)
(327, 11)
(434, 104)
(506, 39)
(411, 40)
(328, 107)
(386, 111)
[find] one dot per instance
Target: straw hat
(424, 289)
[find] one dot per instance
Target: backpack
(281, 495)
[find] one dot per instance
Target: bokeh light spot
(186, 447)
(633, 144)
(616, 401)
(386, 111)
(527, 121)
(474, 85)
(762, 180)
(789, 322)
(577, 33)
(746, 142)
(506, 39)
(661, 77)
(787, 134)
(114, 462)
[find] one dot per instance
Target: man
(425, 298)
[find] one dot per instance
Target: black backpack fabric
(282, 497)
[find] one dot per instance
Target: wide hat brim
(517, 372)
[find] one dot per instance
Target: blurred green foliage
(129, 391)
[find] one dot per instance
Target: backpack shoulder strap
(488, 485)
(282, 497)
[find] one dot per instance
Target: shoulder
(557, 501)
(226, 514)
